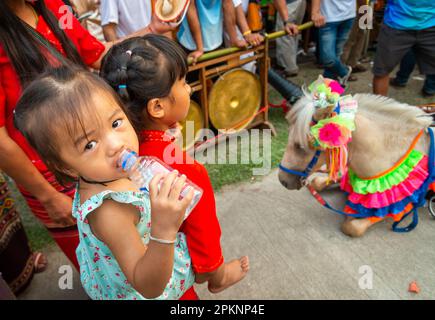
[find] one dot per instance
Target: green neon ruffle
(388, 180)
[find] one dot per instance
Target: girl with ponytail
(31, 39)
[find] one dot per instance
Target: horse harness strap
(307, 171)
(430, 179)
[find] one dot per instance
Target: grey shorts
(393, 44)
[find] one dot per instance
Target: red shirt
(89, 48)
(202, 227)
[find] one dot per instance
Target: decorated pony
(379, 150)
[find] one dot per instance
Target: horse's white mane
(388, 112)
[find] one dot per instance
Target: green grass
(38, 236)
(225, 174)
(220, 174)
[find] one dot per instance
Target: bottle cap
(127, 159)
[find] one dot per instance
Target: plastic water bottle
(141, 171)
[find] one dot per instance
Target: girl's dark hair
(23, 48)
(55, 104)
(141, 69)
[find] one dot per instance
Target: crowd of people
(142, 65)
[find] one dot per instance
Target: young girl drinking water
(130, 247)
(149, 75)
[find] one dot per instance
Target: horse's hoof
(319, 184)
(355, 228)
(318, 181)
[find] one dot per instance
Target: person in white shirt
(120, 18)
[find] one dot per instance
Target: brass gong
(234, 100)
(195, 114)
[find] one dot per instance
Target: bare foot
(355, 227)
(235, 270)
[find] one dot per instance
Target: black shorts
(393, 44)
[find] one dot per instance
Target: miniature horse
(385, 130)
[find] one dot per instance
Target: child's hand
(254, 39)
(195, 55)
(59, 209)
(318, 19)
(239, 43)
(159, 27)
(167, 210)
(291, 28)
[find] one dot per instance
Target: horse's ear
(323, 113)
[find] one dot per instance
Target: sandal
(39, 262)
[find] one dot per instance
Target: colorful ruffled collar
(390, 193)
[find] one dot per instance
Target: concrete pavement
(297, 251)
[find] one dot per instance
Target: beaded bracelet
(247, 33)
(162, 241)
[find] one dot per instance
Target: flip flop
(39, 262)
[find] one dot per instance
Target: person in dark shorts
(402, 76)
(407, 24)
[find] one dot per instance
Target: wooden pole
(227, 51)
(278, 34)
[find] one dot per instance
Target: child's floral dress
(100, 274)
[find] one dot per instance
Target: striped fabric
(16, 262)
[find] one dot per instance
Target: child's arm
(109, 31)
(195, 28)
(253, 39)
(230, 23)
(148, 269)
(281, 7)
(316, 14)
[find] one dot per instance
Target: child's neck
(87, 190)
(155, 126)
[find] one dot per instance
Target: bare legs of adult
(380, 84)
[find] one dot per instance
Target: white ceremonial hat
(171, 11)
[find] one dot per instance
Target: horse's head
(298, 153)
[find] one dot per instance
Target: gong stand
(211, 69)
(213, 64)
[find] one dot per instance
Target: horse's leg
(318, 180)
(354, 227)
